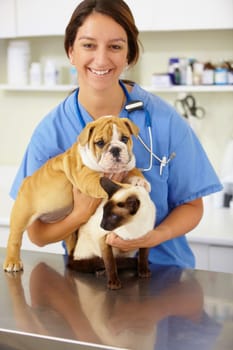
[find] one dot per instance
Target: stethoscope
(131, 106)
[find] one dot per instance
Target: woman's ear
(71, 56)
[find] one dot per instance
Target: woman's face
(99, 52)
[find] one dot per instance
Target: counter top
(48, 305)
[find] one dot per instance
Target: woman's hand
(145, 241)
(180, 221)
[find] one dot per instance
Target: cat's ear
(132, 203)
(109, 186)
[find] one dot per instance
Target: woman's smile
(99, 72)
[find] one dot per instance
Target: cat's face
(122, 205)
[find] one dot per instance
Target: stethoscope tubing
(164, 160)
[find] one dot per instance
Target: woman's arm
(181, 220)
(41, 233)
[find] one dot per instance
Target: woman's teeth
(100, 72)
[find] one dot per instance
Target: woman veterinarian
(101, 40)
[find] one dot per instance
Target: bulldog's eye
(100, 143)
(124, 139)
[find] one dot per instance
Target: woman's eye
(124, 139)
(100, 143)
(116, 47)
(88, 46)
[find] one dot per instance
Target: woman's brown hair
(117, 10)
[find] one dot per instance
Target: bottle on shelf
(208, 74)
(229, 72)
(50, 73)
(220, 74)
(18, 58)
(35, 74)
(198, 68)
(73, 76)
(189, 74)
(173, 70)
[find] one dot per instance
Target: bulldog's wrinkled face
(105, 144)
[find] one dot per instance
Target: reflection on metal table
(49, 306)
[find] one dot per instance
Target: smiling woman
(101, 39)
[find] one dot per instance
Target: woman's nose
(101, 56)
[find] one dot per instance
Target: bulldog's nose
(115, 151)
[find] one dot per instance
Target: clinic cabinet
(182, 14)
(213, 257)
(49, 17)
(8, 19)
(34, 18)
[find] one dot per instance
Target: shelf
(54, 88)
(191, 88)
(172, 89)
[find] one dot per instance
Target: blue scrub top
(186, 177)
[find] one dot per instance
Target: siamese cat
(130, 213)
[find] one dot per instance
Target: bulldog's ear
(85, 134)
(133, 129)
(109, 186)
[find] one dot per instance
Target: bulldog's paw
(139, 181)
(12, 265)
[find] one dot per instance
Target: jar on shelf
(18, 58)
(220, 74)
(208, 74)
(73, 76)
(173, 70)
(189, 74)
(35, 73)
(50, 73)
(198, 68)
(229, 72)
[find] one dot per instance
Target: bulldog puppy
(104, 146)
(130, 213)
